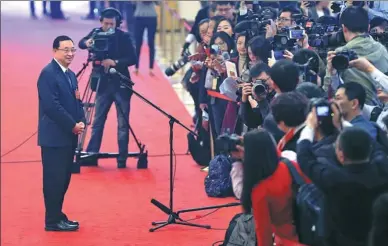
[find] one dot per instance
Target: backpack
(218, 182)
(199, 147)
(307, 208)
(241, 231)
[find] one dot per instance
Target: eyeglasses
(69, 50)
(282, 19)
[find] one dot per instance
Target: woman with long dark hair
(225, 43)
(267, 192)
(145, 17)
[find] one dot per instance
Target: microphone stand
(173, 217)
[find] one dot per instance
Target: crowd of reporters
(310, 87)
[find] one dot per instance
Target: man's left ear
(355, 104)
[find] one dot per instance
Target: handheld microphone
(114, 71)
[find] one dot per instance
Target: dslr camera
(227, 143)
(342, 59)
(181, 62)
(259, 88)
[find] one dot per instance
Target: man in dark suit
(61, 119)
(349, 188)
(121, 54)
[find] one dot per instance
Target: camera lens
(340, 62)
(259, 89)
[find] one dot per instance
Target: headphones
(114, 11)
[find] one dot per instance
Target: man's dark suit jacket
(349, 190)
(59, 109)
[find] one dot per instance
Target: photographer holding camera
(120, 54)
(358, 43)
(349, 187)
(255, 106)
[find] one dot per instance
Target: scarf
(242, 59)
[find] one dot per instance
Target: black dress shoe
(61, 226)
(72, 222)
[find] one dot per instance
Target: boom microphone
(114, 71)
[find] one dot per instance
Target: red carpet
(113, 206)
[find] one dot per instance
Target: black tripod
(173, 217)
(91, 159)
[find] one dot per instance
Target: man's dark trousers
(111, 92)
(57, 166)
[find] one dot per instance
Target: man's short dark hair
(110, 14)
(291, 108)
(257, 69)
(59, 39)
(355, 19)
(285, 74)
(355, 143)
(310, 90)
(289, 9)
(354, 90)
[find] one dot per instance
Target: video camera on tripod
(102, 44)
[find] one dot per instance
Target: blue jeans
(104, 100)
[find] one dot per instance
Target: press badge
(214, 84)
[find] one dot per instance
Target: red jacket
(272, 209)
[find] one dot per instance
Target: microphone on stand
(114, 71)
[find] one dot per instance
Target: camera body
(323, 110)
(324, 36)
(342, 59)
(287, 37)
(227, 143)
(103, 43)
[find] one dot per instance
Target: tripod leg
(158, 227)
(194, 225)
(120, 107)
(87, 106)
(158, 223)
